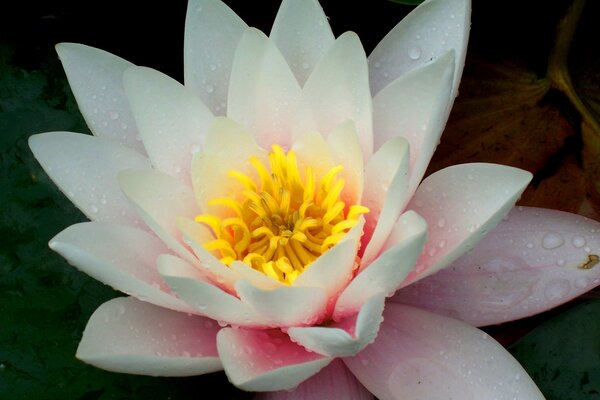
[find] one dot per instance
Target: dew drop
(561, 263)
(414, 53)
(578, 241)
(552, 240)
(556, 290)
(210, 88)
(121, 309)
(94, 208)
(441, 222)
(377, 64)
(364, 361)
(530, 245)
(213, 67)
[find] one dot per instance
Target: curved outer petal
(388, 270)
(264, 95)
(160, 199)
(212, 34)
(172, 121)
(430, 30)
(461, 204)
(386, 195)
(119, 256)
(416, 106)
(192, 287)
(334, 381)
(96, 79)
(287, 305)
(303, 35)
(130, 336)
(338, 90)
(344, 338)
(534, 260)
(265, 360)
(85, 168)
(228, 147)
(420, 355)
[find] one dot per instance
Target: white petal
(345, 149)
(95, 77)
(212, 34)
(255, 277)
(287, 305)
(302, 33)
(387, 272)
(430, 30)
(264, 95)
(386, 194)
(421, 355)
(120, 256)
(260, 360)
(160, 199)
(346, 338)
(338, 90)
(172, 121)
(192, 287)
(130, 336)
(416, 106)
(85, 168)
(461, 204)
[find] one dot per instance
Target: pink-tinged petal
(302, 33)
(85, 168)
(421, 355)
(120, 256)
(228, 147)
(386, 180)
(194, 235)
(193, 288)
(333, 270)
(416, 107)
(312, 151)
(254, 277)
(264, 95)
(388, 271)
(344, 338)
(334, 381)
(461, 204)
(338, 90)
(265, 360)
(160, 199)
(345, 149)
(287, 305)
(532, 261)
(95, 77)
(430, 30)
(172, 121)
(212, 34)
(130, 336)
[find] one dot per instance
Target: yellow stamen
(283, 222)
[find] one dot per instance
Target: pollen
(283, 222)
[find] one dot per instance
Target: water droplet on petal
(414, 53)
(578, 241)
(557, 290)
(552, 240)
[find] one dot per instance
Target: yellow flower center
(284, 223)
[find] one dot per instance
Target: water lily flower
(260, 215)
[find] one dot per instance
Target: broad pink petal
(416, 106)
(388, 271)
(172, 121)
(302, 33)
(95, 77)
(338, 90)
(265, 360)
(386, 195)
(333, 270)
(160, 199)
(130, 336)
(532, 261)
(461, 204)
(346, 337)
(193, 288)
(430, 30)
(120, 256)
(228, 147)
(212, 34)
(286, 305)
(264, 95)
(334, 381)
(85, 168)
(345, 149)
(421, 355)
